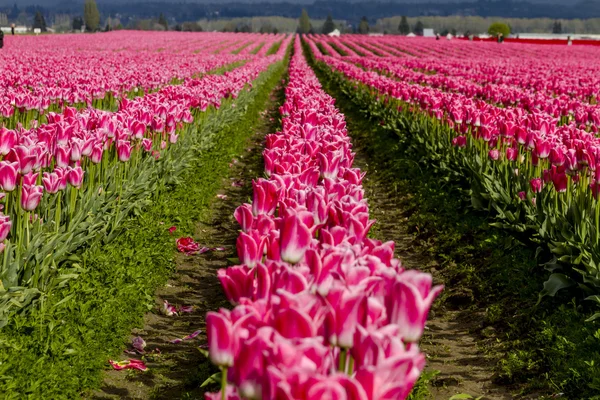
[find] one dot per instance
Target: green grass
(539, 348)
(58, 351)
(274, 48)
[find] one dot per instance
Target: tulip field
(520, 122)
(118, 146)
(87, 141)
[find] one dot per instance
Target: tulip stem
(342, 366)
(223, 383)
(58, 211)
(350, 366)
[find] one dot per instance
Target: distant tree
(453, 32)
(275, 31)
(404, 28)
(243, 27)
(91, 15)
(363, 26)
(77, 23)
(304, 22)
(178, 28)
(497, 28)
(192, 27)
(444, 32)
(557, 27)
(328, 26)
(39, 22)
(163, 21)
(107, 28)
(419, 28)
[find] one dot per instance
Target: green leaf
(593, 317)
(214, 378)
(461, 396)
(555, 283)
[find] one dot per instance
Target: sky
(52, 2)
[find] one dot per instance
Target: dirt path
(451, 339)
(176, 371)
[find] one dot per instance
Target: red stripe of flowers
(321, 311)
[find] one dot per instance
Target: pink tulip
(343, 317)
(265, 197)
(5, 226)
(8, 175)
(494, 154)
(294, 240)
(243, 215)
(75, 177)
(250, 248)
(8, 139)
(62, 156)
(536, 185)
(220, 339)
(237, 282)
(96, 155)
(30, 197)
(409, 301)
(124, 150)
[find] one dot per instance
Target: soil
(176, 371)
(450, 341)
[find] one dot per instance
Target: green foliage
(91, 15)
(39, 22)
(403, 27)
(557, 27)
(363, 26)
(274, 48)
(163, 21)
(328, 26)
(58, 350)
(419, 27)
(304, 23)
(499, 28)
(77, 23)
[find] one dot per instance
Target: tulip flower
(536, 185)
(5, 226)
(220, 339)
(294, 240)
(30, 197)
(265, 197)
(124, 150)
(244, 217)
(75, 177)
(8, 175)
(250, 248)
(8, 139)
(409, 301)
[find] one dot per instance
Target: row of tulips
(75, 178)
(547, 70)
(536, 176)
(321, 311)
(417, 71)
(81, 75)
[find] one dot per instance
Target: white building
(428, 32)
(18, 29)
